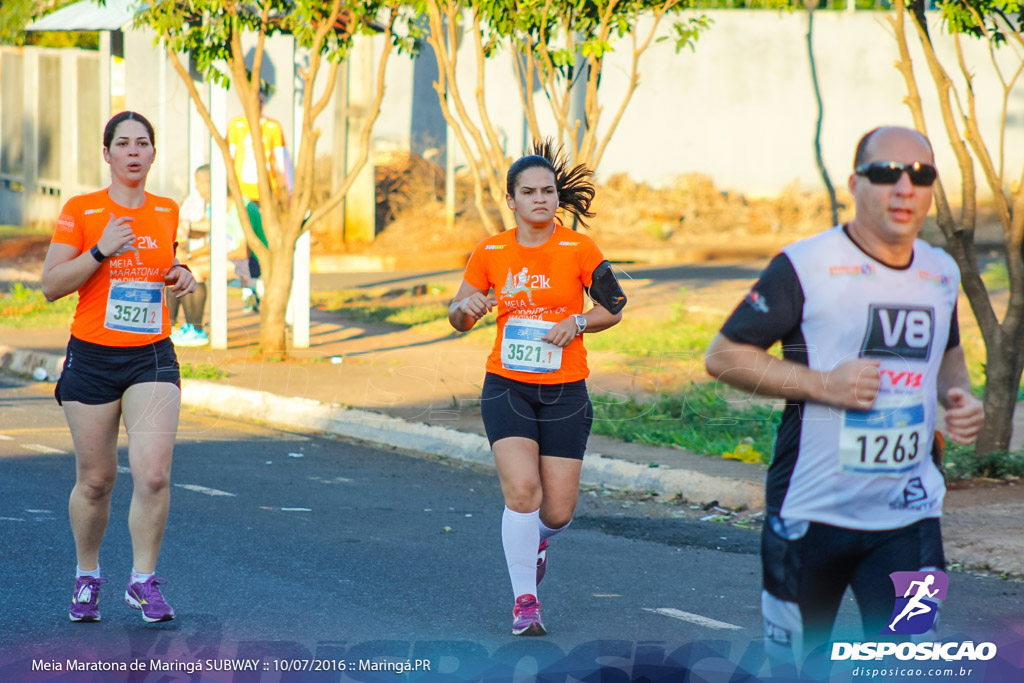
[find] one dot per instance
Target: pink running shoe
(526, 617)
(542, 560)
(85, 601)
(146, 596)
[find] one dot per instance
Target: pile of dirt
(24, 250)
(636, 213)
(410, 196)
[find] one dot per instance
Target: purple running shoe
(85, 601)
(145, 596)
(526, 615)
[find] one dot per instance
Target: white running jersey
(829, 303)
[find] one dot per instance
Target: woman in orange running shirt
(534, 403)
(115, 248)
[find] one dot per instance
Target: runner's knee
(95, 486)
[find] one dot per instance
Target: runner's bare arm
(853, 384)
(66, 269)
(964, 413)
(598, 318)
(469, 305)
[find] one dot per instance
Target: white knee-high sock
(520, 537)
(547, 532)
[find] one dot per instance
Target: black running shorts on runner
(814, 570)
(95, 374)
(557, 416)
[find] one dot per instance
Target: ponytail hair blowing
(575, 191)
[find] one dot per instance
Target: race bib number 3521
(135, 307)
(523, 350)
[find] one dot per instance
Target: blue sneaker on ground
(188, 335)
(85, 601)
(146, 596)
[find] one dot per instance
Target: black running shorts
(95, 374)
(814, 570)
(557, 416)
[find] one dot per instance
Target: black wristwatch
(97, 254)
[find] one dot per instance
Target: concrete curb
(25, 362)
(303, 413)
(598, 470)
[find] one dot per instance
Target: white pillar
(161, 84)
(217, 287)
(68, 125)
(299, 301)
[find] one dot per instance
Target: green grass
(363, 307)
(961, 463)
(702, 419)
(26, 307)
(996, 276)
(19, 230)
(202, 371)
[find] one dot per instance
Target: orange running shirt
(536, 283)
(118, 319)
(245, 158)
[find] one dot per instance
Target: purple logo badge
(918, 595)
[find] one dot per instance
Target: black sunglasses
(889, 172)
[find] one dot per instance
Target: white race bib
(887, 440)
(522, 350)
(136, 307)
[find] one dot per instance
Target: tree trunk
(278, 276)
(1002, 380)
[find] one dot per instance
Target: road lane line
(5, 437)
(693, 618)
(204, 489)
(40, 448)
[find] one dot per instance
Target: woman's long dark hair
(575, 191)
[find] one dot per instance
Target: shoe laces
(89, 591)
(149, 589)
(526, 606)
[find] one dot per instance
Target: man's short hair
(861, 155)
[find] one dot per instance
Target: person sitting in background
(194, 244)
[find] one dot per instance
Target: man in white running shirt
(867, 317)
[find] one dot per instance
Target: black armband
(605, 289)
(97, 254)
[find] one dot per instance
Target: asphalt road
(295, 550)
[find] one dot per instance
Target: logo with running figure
(918, 595)
(523, 282)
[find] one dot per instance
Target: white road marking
(203, 489)
(693, 618)
(40, 512)
(121, 469)
(40, 448)
(11, 519)
(296, 509)
(606, 595)
(6, 437)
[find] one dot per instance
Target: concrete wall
(741, 108)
